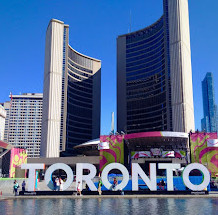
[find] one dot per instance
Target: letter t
(32, 173)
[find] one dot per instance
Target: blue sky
(94, 27)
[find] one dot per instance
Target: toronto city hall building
(209, 123)
(72, 94)
(23, 122)
(154, 74)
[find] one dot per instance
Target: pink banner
(18, 157)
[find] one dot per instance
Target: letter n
(137, 171)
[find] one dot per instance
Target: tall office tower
(2, 122)
(209, 123)
(72, 94)
(154, 74)
(23, 122)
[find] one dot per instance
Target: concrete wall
(180, 63)
(52, 91)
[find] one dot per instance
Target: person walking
(99, 186)
(61, 184)
(24, 186)
(57, 184)
(114, 184)
(79, 188)
(16, 186)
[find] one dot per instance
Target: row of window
(83, 84)
(145, 49)
(23, 125)
(138, 129)
(78, 111)
(82, 62)
(74, 118)
(79, 130)
(73, 141)
(63, 87)
(148, 124)
(151, 46)
(27, 100)
(149, 110)
(143, 75)
(79, 78)
(145, 95)
(155, 82)
(76, 71)
(23, 141)
(150, 66)
(149, 81)
(143, 103)
(79, 86)
(145, 34)
(158, 72)
(70, 62)
(81, 92)
(146, 54)
(157, 56)
(74, 134)
(148, 120)
(79, 103)
(73, 95)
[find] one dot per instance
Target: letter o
(205, 172)
(54, 167)
(108, 168)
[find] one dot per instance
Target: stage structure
(204, 150)
(113, 151)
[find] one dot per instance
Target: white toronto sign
(137, 171)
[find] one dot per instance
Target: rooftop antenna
(130, 22)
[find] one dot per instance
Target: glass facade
(146, 85)
(209, 123)
(80, 100)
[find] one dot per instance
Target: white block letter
(137, 170)
(120, 167)
(169, 170)
(87, 178)
(204, 171)
(52, 168)
(32, 174)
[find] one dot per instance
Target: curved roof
(157, 139)
(94, 142)
(149, 137)
(143, 29)
(156, 134)
(85, 56)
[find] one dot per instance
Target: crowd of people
(58, 186)
(58, 183)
